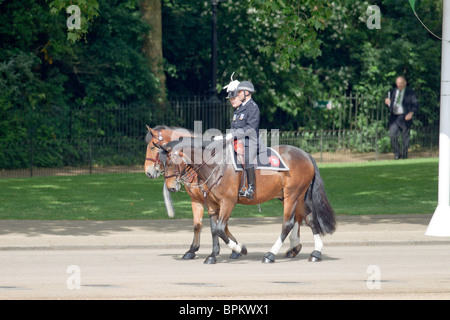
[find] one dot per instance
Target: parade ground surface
(368, 257)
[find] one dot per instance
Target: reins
(155, 160)
(187, 176)
(204, 183)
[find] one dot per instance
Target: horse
(161, 135)
(301, 190)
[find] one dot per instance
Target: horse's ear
(152, 132)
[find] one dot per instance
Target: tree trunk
(151, 13)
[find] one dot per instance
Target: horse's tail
(316, 199)
(168, 202)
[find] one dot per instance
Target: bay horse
(161, 135)
(301, 190)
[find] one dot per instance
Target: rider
(245, 125)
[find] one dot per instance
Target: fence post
(431, 140)
(376, 143)
(321, 145)
(90, 156)
(31, 157)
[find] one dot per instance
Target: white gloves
(228, 137)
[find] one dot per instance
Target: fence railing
(351, 112)
(130, 119)
(356, 145)
(91, 139)
(348, 112)
(103, 155)
(92, 155)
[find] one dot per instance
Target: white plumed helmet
(232, 88)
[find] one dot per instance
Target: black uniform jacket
(409, 104)
(245, 120)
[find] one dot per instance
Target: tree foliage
(295, 26)
(296, 52)
(89, 8)
(41, 71)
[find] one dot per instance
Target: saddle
(268, 159)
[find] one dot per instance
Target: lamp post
(213, 91)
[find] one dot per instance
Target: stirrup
(248, 193)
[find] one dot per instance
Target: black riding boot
(251, 184)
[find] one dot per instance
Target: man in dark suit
(403, 104)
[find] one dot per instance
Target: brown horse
(161, 135)
(300, 189)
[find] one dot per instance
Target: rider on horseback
(245, 125)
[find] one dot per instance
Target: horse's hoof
(244, 251)
(293, 252)
(269, 257)
(210, 260)
(235, 255)
(188, 255)
(316, 256)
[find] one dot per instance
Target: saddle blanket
(270, 160)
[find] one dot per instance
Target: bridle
(185, 177)
(156, 160)
(178, 173)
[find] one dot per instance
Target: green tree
(299, 51)
(151, 14)
(43, 74)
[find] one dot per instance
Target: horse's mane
(173, 128)
(188, 142)
(192, 142)
(178, 144)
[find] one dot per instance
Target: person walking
(403, 105)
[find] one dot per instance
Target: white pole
(440, 222)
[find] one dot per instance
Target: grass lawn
(384, 187)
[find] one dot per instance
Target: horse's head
(174, 166)
(158, 136)
(152, 164)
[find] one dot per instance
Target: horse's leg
(197, 210)
(211, 259)
(225, 212)
(234, 254)
(288, 224)
(294, 237)
(316, 255)
(238, 249)
(218, 229)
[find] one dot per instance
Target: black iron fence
(107, 155)
(111, 138)
(356, 145)
(129, 120)
(77, 156)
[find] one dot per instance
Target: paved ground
(369, 257)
